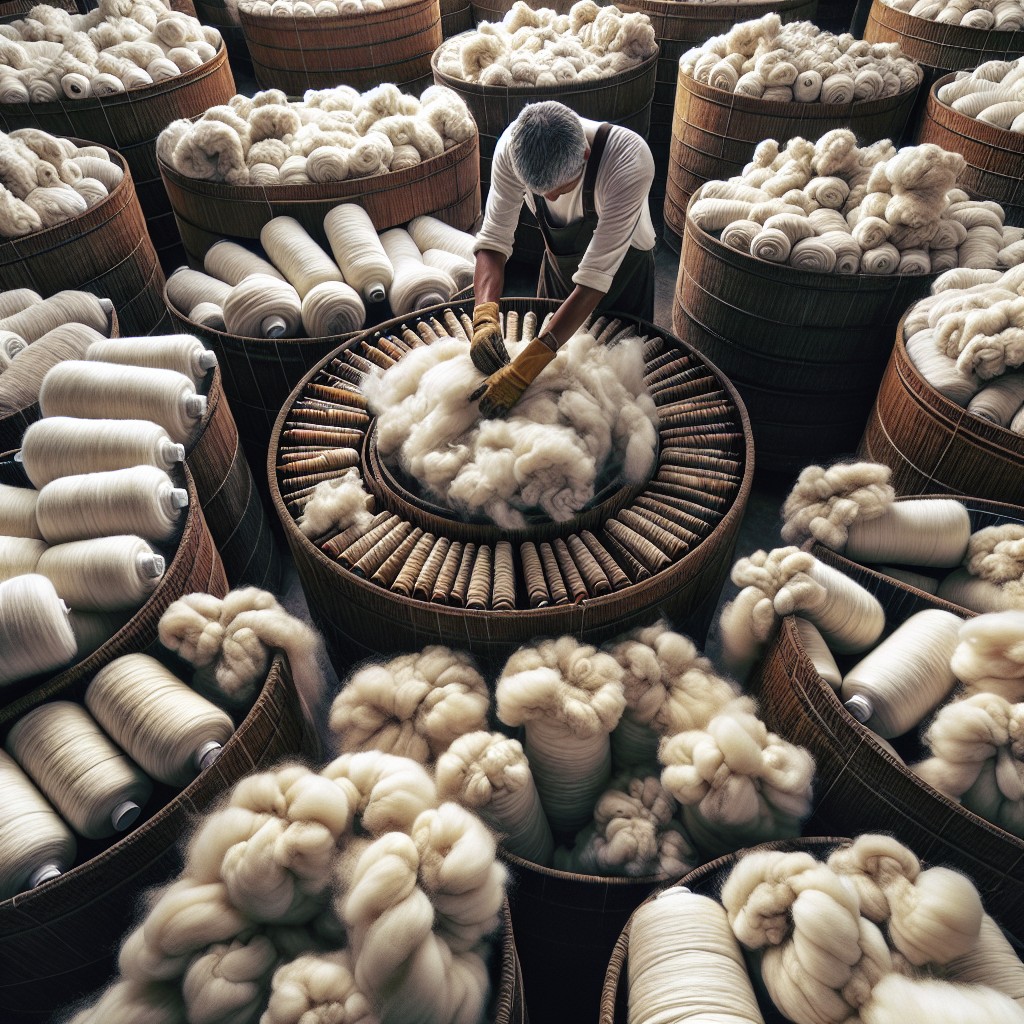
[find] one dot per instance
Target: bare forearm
(489, 276)
(571, 314)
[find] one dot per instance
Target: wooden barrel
(714, 133)
(706, 880)
(232, 503)
(130, 122)
(940, 47)
(995, 156)
(805, 350)
(224, 18)
(58, 943)
(258, 375)
(445, 186)
(361, 50)
(861, 787)
(359, 617)
(932, 444)
(456, 17)
(106, 251)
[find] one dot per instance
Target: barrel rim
(958, 123)
(713, 12)
(330, 22)
(940, 33)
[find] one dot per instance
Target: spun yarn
(332, 308)
(34, 628)
(295, 253)
(358, 251)
(989, 655)
(260, 306)
(18, 512)
(414, 285)
(232, 263)
(183, 353)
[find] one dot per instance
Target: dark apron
(632, 289)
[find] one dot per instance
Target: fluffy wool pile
(992, 92)
(539, 47)
(967, 339)
(329, 135)
(316, 9)
(833, 207)
(1001, 15)
(588, 418)
(45, 180)
(799, 61)
(121, 45)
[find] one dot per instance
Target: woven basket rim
(615, 881)
(714, 12)
(1012, 142)
(336, 22)
(989, 39)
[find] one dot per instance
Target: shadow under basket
(932, 444)
(806, 350)
(662, 546)
(862, 788)
(58, 942)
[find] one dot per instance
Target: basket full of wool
(359, 42)
(864, 783)
(949, 36)
(979, 114)
(372, 550)
(105, 248)
(763, 79)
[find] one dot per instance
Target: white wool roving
(739, 784)
(977, 747)
(993, 962)
(489, 773)
(569, 697)
(587, 416)
(989, 656)
(230, 643)
(317, 986)
(414, 705)
(897, 999)
(669, 686)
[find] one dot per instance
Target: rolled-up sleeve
(504, 201)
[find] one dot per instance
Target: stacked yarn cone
(51, 55)
(539, 47)
(997, 15)
(799, 62)
(992, 92)
(329, 135)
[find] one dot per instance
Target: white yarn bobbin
(103, 574)
(461, 271)
(93, 784)
(60, 446)
(18, 512)
(295, 253)
(168, 728)
(906, 676)
(188, 288)
(16, 299)
(35, 634)
(208, 314)
(140, 500)
(233, 263)
(358, 250)
(923, 531)
(634, 744)
(332, 308)
(35, 845)
(181, 352)
(969, 591)
(817, 650)
(10, 345)
(67, 307)
(929, 584)
(431, 233)
(415, 285)
(107, 390)
(19, 555)
(999, 400)
(263, 307)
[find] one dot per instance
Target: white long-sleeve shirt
(620, 197)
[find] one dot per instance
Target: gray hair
(547, 146)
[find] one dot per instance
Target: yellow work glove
(505, 387)
(487, 349)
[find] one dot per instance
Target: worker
(587, 183)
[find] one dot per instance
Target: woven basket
(359, 616)
(232, 504)
(58, 943)
(456, 17)
(361, 50)
(130, 122)
(995, 156)
(805, 350)
(861, 787)
(445, 186)
(508, 1001)
(714, 133)
(706, 880)
(196, 566)
(106, 251)
(932, 444)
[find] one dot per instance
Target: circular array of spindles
(697, 477)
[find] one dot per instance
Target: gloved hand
(505, 387)
(487, 349)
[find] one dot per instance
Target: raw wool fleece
(539, 47)
(588, 414)
(1001, 15)
(328, 135)
(757, 55)
(989, 657)
(977, 748)
(996, 554)
(337, 504)
(992, 92)
(415, 705)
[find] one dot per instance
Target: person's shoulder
(628, 149)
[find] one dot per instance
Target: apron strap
(593, 163)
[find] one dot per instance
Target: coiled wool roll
(295, 253)
(66, 307)
(461, 271)
(263, 307)
(138, 500)
(332, 307)
(168, 728)
(16, 299)
(106, 390)
(104, 573)
(93, 784)
(35, 634)
(18, 512)
(431, 233)
(58, 446)
(359, 252)
(19, 556)
(181, 352)
(94, 629)
(415, 285)
(230, 262)
(188, 288)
